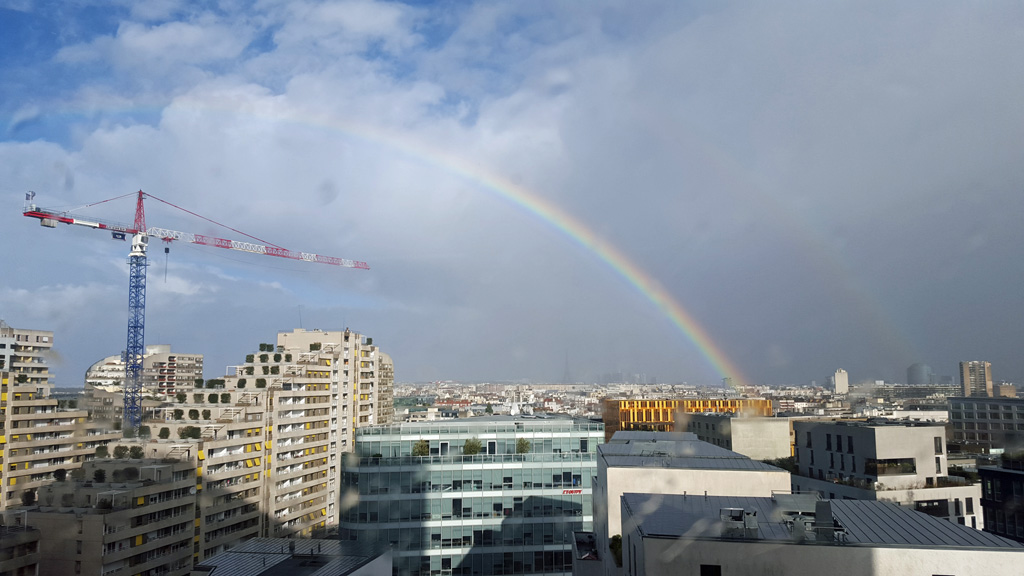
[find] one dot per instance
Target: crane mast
(136, 346)
(137, 264)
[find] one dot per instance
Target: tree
(136, 453)
(523, 446)
(275, 369)
(212, 398)
(178, 413)
(315, 346)
(144, 432)
(265, 369)
(241, 383)
(471, 447)
(28, 497)
(181, 397)
(489, 409)
(193, 414)
(206, 414)
(249, 358)
(615, 545)
(249, 370)
(100, 475)
(60, 474)
(277, 357)
(198, 398)
(421, 448)
(261, 382)
(101, 452)
(198, 382)
(186, 432)
(287, 357)
(264, 358)
(225, 398)
(21, 379)
(120, 451)
(165, 433)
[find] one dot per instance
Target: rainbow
(580, 234)
(519, 196)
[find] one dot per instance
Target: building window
(938, 444)
(828, 441)
(839, 443)
(710, 570)
(938, 464)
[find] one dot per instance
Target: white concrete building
(670, 463)
(668, 535)
(840, 382)
(900, 462)
(756, 438)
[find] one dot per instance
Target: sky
(681, 190)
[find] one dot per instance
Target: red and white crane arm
(50, 218)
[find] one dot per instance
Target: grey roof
(863, 522)
(683, 454)
(649, 436)
(273, 557)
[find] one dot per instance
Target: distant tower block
(919, 374)
(976, 378)
(841, 382)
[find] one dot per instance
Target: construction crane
(137, 276)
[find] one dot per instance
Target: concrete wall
(666, 557)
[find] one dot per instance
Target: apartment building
(488, 495)
(1002, 496)
(164, 373)
(901, 462)
(130, 517)
(987, 423)
(24, 354)
(659, 415)
(19, 546)
(37, 438)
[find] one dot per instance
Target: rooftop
(676, 450)
(282, 557)
(778, 519)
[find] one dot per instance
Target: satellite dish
(192, 490)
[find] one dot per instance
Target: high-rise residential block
(164, 373)
(37, 437)
(24, 352)
(976, 378)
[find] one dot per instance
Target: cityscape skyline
(693, 192)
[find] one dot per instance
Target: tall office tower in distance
(841, 382)
(919, 374)
(976, 378)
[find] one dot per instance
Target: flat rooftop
(861, 522)
(685, 452)
(276, 557)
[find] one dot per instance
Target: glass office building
(491, 495)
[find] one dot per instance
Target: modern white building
(670, 463)
(900, 462)
(754, 437)
(668, 535)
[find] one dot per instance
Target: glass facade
(494, 495)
